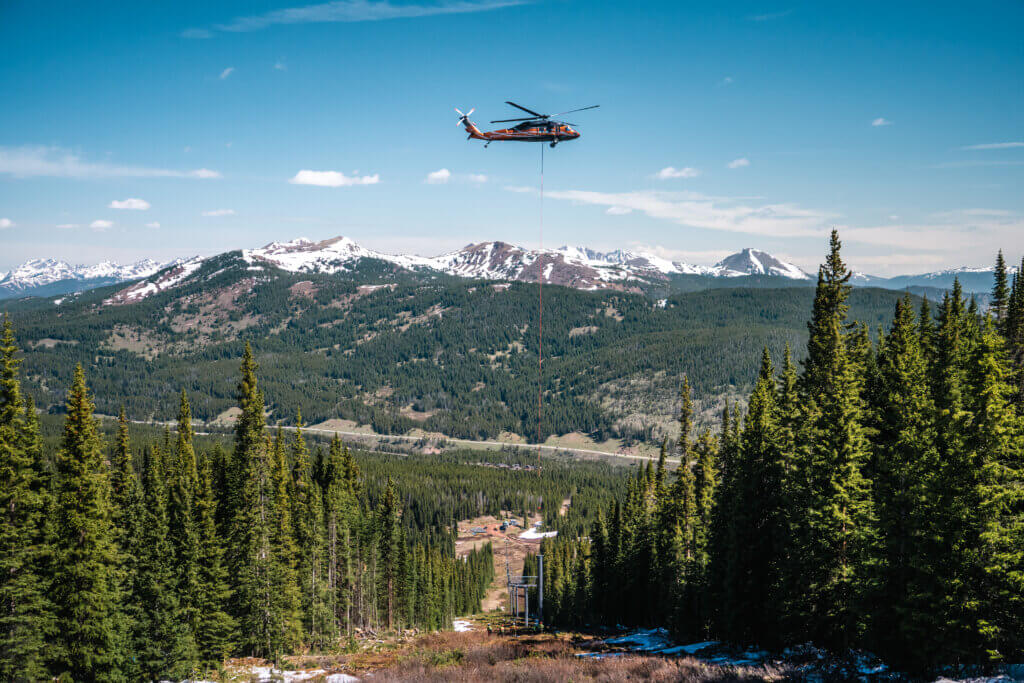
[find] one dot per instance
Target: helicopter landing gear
(487, 143)
(553, 144)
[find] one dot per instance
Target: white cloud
(131, 203)
(711, 213)
(522, 189)
(672, 172)
(226, 72)
(332, 179)
(618, 210)
(348, 11)
(219, 212)
(476, 178)
(54, 162)
(995, 145)
(68, 226)
(881, 121)
(154, 225)
(726, 81)
(742, 162)
(101, 224)
(280, 66)
(439, 177)
(6, 223)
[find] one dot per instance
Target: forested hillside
(400, 350)
(873, 498)
(157, 560)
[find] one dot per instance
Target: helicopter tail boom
(470, 127)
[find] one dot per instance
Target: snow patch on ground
(650, 640)
(267, 673)
(461, 626)
(533, 534)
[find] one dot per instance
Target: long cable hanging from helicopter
(534, 128)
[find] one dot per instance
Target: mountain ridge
(573, 266)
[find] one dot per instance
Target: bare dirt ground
(509, 550)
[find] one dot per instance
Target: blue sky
(900, 123)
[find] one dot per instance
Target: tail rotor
(463, 118)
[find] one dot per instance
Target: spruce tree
(759, 535)
(162, 647)
(128, 513)
(307, 516)
(904, 604)
(287, 597)
(835, 514)
(991, 619)
(215, 630)
(251, 499)
(1000, 293)
(388, 532)
(26, 615)
(183, 534)
(90, 636)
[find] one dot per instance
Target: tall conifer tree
(26, 616)
(90, 641)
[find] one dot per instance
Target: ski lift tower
(520, 586)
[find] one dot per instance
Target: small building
(477, 530)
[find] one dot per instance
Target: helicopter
(534, 128)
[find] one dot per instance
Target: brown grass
(471, 657)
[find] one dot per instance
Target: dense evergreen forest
(121, 561)
(400, 352)
(871, 498)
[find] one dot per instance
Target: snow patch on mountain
(755, 262)
(162, 281)
(36, 273)
(335, 255)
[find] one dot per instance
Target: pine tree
(835, 518)
(251, 499)
(90, 636)
(1000, 293)
(759, 535)
(339, 511)
(307, 516)
(705, 478)
(162, 647)
(388, 531)
(183, 535)
(685, 421)
(906, 458)
(128, 515)
(26, 615)
(287, 597)
(215, 631)
(991, 619)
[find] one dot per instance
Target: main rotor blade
(581, 109)
(507, 120)
(528, 111)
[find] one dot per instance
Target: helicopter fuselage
(556, 132)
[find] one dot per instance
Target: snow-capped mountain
(330, 256)
(47, 277)
(754, 262)
(577, 267)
